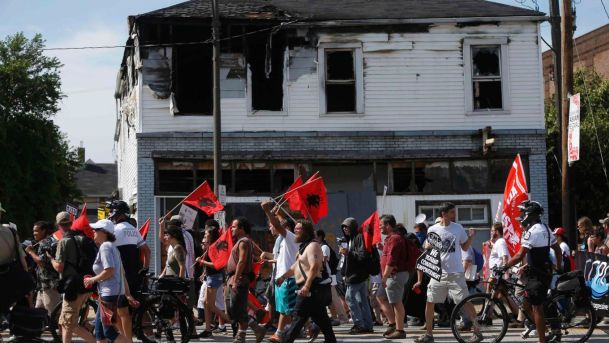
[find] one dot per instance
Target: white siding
(412, 81)
(126, 155)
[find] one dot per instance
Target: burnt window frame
(358, 64)
(502, 43)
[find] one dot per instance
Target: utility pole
(556, 49)
(567, 89)
(216, 96)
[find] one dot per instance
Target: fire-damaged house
(424, 101)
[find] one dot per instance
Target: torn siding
(156, 71)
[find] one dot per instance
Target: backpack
(479, 260)
(333, 260)
(87, 252)
(412, 254)
(374, 262)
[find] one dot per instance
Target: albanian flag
(515, 193)
(313, 198)
(219, 251)
(204, 199)
(293, 199)
(145, 228)
(82, 223)
(371, 230)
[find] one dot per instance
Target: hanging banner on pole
(573, 132)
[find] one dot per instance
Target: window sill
(263, 113)
(342, 114)
(192, 114)
(487, 112)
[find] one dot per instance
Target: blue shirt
(109, 257)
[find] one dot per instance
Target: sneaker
(464, 326)
(516, 324)
(204, 334)
(259, 332)
(219, 330)
(396, 334)
(389, 331)
(240, 337)
(356, 330)
(313, 333)
(275, 338)
(370, 330)
(414, 321)
(424, 338)
(475, 338)
(335, 322)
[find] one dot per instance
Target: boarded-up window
(340, 80)
(486, 77)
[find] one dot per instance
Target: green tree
(590, 184)
(37, 166)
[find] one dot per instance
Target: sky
(88, 112)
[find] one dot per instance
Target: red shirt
(394, 253)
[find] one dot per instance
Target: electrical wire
(207, 41)
(605, 8)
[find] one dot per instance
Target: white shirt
(468, 255)
(499, 250)
(190, 253)
(126, 234)
(537, 237)
(287, 253)
(448, 240)
(566, 251)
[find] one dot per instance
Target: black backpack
(86, 250)
(333, 260)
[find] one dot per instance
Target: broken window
(341, 93)
(265, 59)
(193, 71)
(486, 77)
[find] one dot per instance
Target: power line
(160, 45)
(605, 8)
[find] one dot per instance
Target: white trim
(358, 61)
(505, 72)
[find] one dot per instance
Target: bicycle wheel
(490, 314)
(576, 320)
(163, 319)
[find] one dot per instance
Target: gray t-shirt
(109, 257)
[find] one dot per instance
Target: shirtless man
(314, 291)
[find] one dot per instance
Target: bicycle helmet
(530, 212)
(118, 207)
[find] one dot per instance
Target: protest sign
(430, 264)
(189, 215)
(596, 275)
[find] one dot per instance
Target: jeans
(357, 300)
(314, 307)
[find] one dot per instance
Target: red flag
(515, 193)
(314, 198)
(372, 237)
(293, 199)
(220, 250)
(82, 223)
(204, 199)
(144, 229)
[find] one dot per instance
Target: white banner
(573, 138)
(222, 194)
(188, 215)
(220, 217)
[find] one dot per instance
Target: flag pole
(299, 187)
(283, 209)
(180, 203)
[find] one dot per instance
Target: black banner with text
(596, 274)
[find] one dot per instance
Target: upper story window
(266, 73)
(486, 75)
(341, 78)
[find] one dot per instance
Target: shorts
(536, 289)
(395, 287)
(48, 299)
(220, 305)
(285, 296)
(452, 284)
(214, 280)
(377, 290)
(238, 304)
(70, 311)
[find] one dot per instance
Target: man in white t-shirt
(449, 238)
(500, 253)
(285, 294)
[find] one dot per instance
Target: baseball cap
(604, 221)
(105, 225)
(176, 220)
(63, 218)
(560, 231)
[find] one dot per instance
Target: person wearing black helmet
(131, 246)
(535, 246)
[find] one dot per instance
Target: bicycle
(163, 316)
(568, 310)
